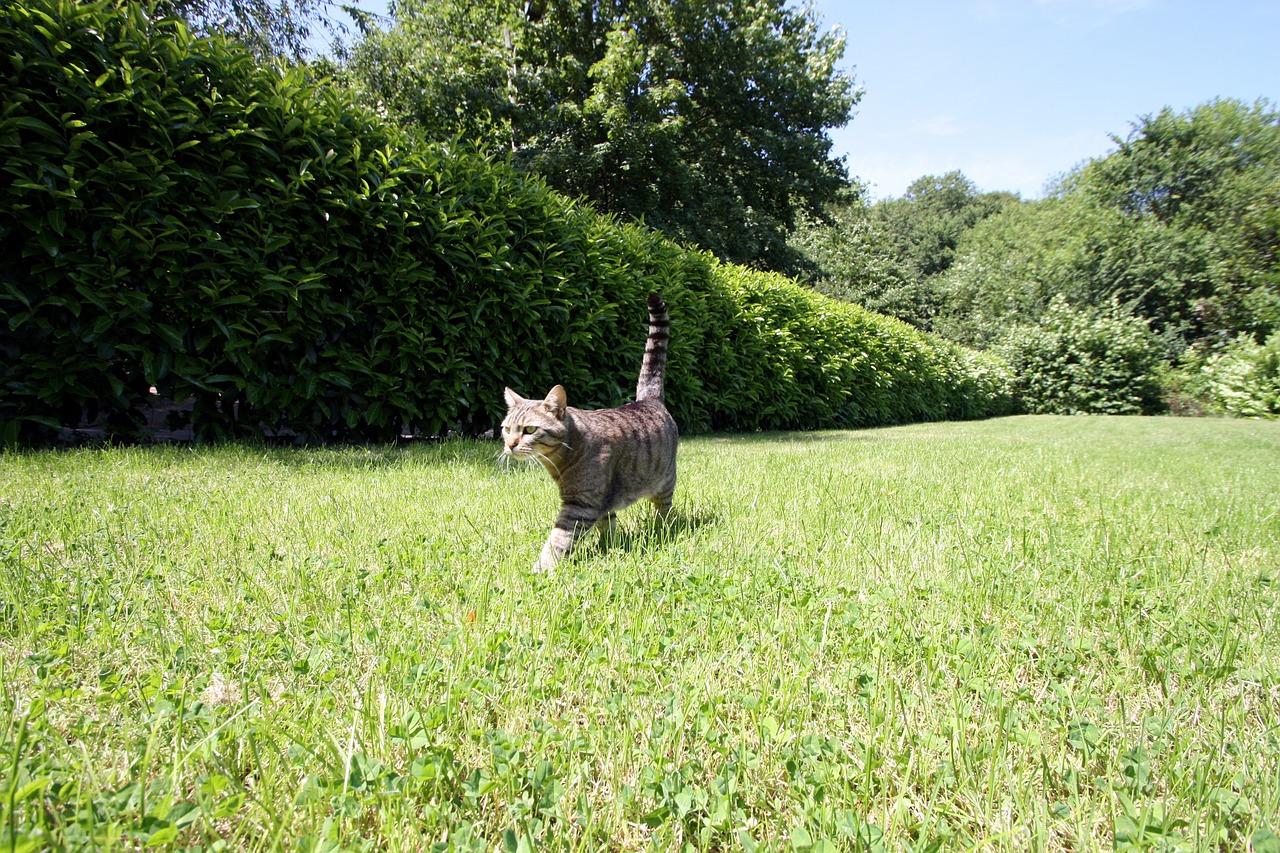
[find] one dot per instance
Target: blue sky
(1013, 92)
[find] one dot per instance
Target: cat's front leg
(570, 524)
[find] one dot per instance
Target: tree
(705, 119)
(1084, 361)
(1175, 164)
(932, 215)
(1183, 233)
(1178, 225)
(888, 256)
(1009, 267)
(852, 257)
(283, 28)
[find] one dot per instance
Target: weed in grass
(1033, 633)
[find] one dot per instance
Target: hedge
(174, 215)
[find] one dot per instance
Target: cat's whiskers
(540, 455)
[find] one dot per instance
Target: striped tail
(655, 351)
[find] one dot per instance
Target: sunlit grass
(1022, 634)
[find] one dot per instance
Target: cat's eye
(530, 430)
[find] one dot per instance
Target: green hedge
(795, 359)
(173, 214)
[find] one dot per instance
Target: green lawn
(1019, 634)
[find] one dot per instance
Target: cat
(605, 459)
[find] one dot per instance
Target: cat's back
(632, 450)
(643, 418)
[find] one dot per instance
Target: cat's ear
(513, 399)
(556, 401)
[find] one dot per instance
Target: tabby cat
(602, 460)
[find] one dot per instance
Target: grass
(1020, 634)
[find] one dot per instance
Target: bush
(174, 215)
(1243, 380)
(1086, 361)
(1183, 386)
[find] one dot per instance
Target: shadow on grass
(656, 532)
(476, 453)
(775, 438)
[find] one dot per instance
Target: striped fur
(602, 460)
(649, 385)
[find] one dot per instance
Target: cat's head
(534, 427)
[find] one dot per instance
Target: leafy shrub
(1008, 268)
(1084, 361)
(1184, 388)
(1243, 379)
(174, 215)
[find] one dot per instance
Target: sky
(1015, 92)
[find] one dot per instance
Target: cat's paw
(545, 563)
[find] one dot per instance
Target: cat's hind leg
(608, 528)
(662, 504)
(664, 489)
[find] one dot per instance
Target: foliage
(1184, 388)
(1010, 267)
(888, 256)
(707, 120)
(175, 216)
(271, 28)
(446, 71)
(1243, 378)
(929, 220)
(1179, 224)
(1175, 164)
(794, 359)
(1185, 245)
(1084, 361)
(852, 258)
(1008, 635)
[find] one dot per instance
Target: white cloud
(1062, 13)
(940, 125)
(1090, 13)
(1110, 6)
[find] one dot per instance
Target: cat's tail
(655, 351)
